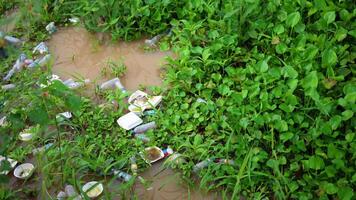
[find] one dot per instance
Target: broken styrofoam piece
(75, 85)
(152, 154)
(51, 28)
(41, 48)
(93, 189)
(144, 127)
(66, 115)
(129, 121)
(74, 20)
(111, 84)
(12, 162)
(20, 62)
(8, 86)
(141, 100)
(3, 121)
(12, 40)
(40, 61)
(24, 171)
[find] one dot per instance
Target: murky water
(79, 53)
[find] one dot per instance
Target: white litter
(129, 121)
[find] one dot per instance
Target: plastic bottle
(51, 28)
(167, 152)
(144, 127)
(112, 84)
(75, 85)
(225, 161)
(8, 86)
(41, 149)
(41, 48)
(121, 174)
(133, 165)
(40, 62)
(66, 82)
(12, 40)
(149, 113)
(142, 137)
(20, 62)
(199, 166)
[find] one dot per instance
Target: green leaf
(293, 19)
(39, 115)
(316, 162)
(341, 34)
(330, 188)
(329, 17)
(345, 193)
(310, 81)
(329, 58)
(347, 114)
(281, 48)
(262, 66)
(279, 29)
(286, 136)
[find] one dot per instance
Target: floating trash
(203, 164)
(66, 115)
(225, 161)
(144, 127)
(40, 61)
(167, 152)
(140, 101)
(153, 41)
(42, 149)
(8, 86)
(24, 171)
(25, 136)
(12, 40)
(74, 20)
(20, 62)
(175, 158)
(129, 121)
(93, 189)
(122, 175)
(12, 162)
(61, 195)
(51, 28)
(142, 137)
(41, 48)
(152, 154)
(3, 121)
(75, 85)
(133, 165)
(200, 100)
(112, 84)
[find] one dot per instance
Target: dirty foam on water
(78, 53)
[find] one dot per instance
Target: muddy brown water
(78, 53)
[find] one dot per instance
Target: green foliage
(278, 78)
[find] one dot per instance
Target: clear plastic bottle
(41, 149)
(199, 166)
(40, 61)
(75, 85)
(20, 62)
(144, 127)
(113, 83)
(143, 137)
(12, 40)
(121, 174)
(8, 87)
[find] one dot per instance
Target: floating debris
(12, 40)
(203, 164)
(40, 61)
(51, 28)
(175, 158)
(8, 86)
(41, 48)
(144, 127)
(12, 162)
(3, 121)
(152, 154)
(93, 189)
(133, 165)
(200, 100)
(122, 175)
(75, 85)
(42, 149)
(74, 20)
(112, 84)
(25, 136)
(140, 101)
(129, 121)
(153, 41)
(20, 62)
(24, 171)
(66, 115)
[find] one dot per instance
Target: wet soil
(77, 53)
(8, 22)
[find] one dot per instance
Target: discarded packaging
(41, 48)
(142, 101)
(8, 86)
(225, 161)
(152, 154)
(176, 158)
(129, 121)
(42, 149)
(70, 191)
(24, 171)
(25, 136)
(66, 115)
(61, 195)
(75, 85)
(142, 137)
(200, 100)
(40, 62)
(74, 20)
(133, 165)
(12, 40)
(20, 62)
(149, 113)
(51, 28)
(12, 162)
(3, 121)
(123, 175)
(113, 83)
(153, 41)
(93, 189)
(203, 164)
(144, 127)
(167, 152)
